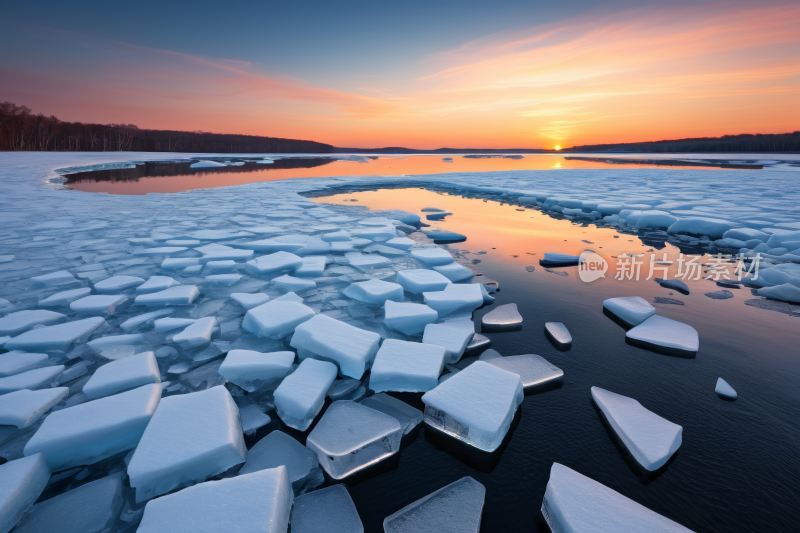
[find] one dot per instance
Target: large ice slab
(299, 397)
(189, 438)
(260, 501)
(139, 320)
(366, 261)
(21, 321)
(91, 508)
(252, 370)
(574, 503)
(351, 437)
(714, 228)
(92, 431)
(420, 280)
(455, 507)
(117, 284)
(24, 407)
(278, 449)
(98, 304)
(313, 266)
(660, 332)
(534, 370)
(156, 284)
(276, 319)
(196, 335)
(351, 348)
(455, 272)
(476, 405)
(456, 297)
(408, 318)
(651, 439)
(277, 262)
(38, 378)
(124, 374)
(289, 283)
(65, 297)
(330, 509)
(14, 363)
(633, 310)
(219, 252)
(502, 318)
(179, 295)
(54, 279)
(21, 483)
(406, 366)
(453, 335)
(432, 256)
(248, 301)
(375, 291)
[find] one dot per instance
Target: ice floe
(16, 362)
(408, 416)
(420, 280)
(116, 284)
(65, 297)
(455, 272)
(299, 397)
(278, 449)
(406, 366)
(179, 295)
(431, 256)
(252, 370)
(197, 334)
(723, 389)
(375, 291)
(660, 332)
(17, 323)
(633, 310)
(21, 483)
(330, 509)
(124, 374)
(408, 318)
(559, 333)
(38, 378)
(24, 407)
(249, 301)
(452, 335)
(502, 318)
(456, 297)
(455, 507)
(99, 304)
(276, 262)
(277, 318)
(554, 259)
(351, 348)
(535, 371)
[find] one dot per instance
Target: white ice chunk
(330, 509)
(206, 164)
(455, 272)
(376, 234)
(313, 266)
(785, 292)
(351, 437)
(421, 280)
(249, 301)
(282, 243)
(136, 321)
(65, 297)
(408, 318)
(502, 318)
(476, 405)
(453, 335)
(219, 252)
(24, 407)
(455, 507)
(401, 243)
(406, 366)
(651, 439)
(409, 417)
(351, 348)
(374, 291)
(62, 277)
(574, 503)
(432, 256)
(336, 236)
(220, 267)
(124, 374)
(21, 321)
(179, 295)
(367, 261)
(289, 283)
(38, 378)
(653, 219)
(190, 437)
(276, 319)
(156, 284)
(278, 449)
(21, 483)
(252, 417)
(299, 397)
(277, 262)
(534, 370)
(260, 501)
(722, 388)
(712, 227)
(98, 304)
(162, 325)
(632, 310)
(224, 279)
(196, 335)
(90, 432)
(658, 331)
(13, 363)
(57, 338)
(456, 297)
(116, 284)
(559, 333)
(255, 370)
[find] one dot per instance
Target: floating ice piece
(374, 291)
(179, 295)
(220, 267)
(22, 321)
(655, 220)
(559, 333)
(553, 259)
(438, 216)
(117, 346)
(196, 335)
(432, 210)
(651, 439)
(276, 262)
(418, 281)
(90, 432)
(376, 234)
(291, 284)
(440, 236)
(124, 374)
(57, 338)
(534, 370)
(453, 335)
(502, 318)
(62, 277)
(633, 310)
(277, 318)
(351, 437)
(224, 279)
(330, 509)
(24, 407)
(189, 438)
(489, 355)
(17, 362)
(722, 388)
(252, 417)
(65, 297)
(98, 304)
(38, 378)
(476, 405)
(162, 250)
(255, 370)
(178, 263)
(401, 243)
(299, 397)
(722, 295)
(91, 508)
(351, 348)
(249, 301)
(477, 345)
(432, 256)
(785, 292)
(574, 503)
(21, 483)
(219, 252)
(336, 236)
(116, 284)
(408, 318)
(406, 366)
(777, 240)
(313, 265)
(455, 507)
(136, 321)
(206, 164)
(660, 332)
(455, 272)
(675, 284)
(163, 325)
(282, 243)
(367, 261)
(714, 228)
(260, 501)
(278, 449)
(456, 297)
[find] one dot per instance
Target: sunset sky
(422, 74)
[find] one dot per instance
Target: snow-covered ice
(455, 272)
(54, 279)
(502, 318)
(366, 262)
(633, 310)
(455, 507)
(432, 256)
(277, 318)
(249, 301)
(456, 297)
(534, 370)
(15, 362)
(725, 390)
(163, 325)
(252, 370)
(196, 335)
(375, 291)
(21, 483)
(406, 366)
(299, 397)
(351, 437)
(24, 407)
(145, 318)
(21, 321)
(99, 304)
(452, 335)
(178, 295)
(660, 332)
(275, 262)
(38, 378)
(408, 318)
(58, 338)
(421, 280)
(287, 283)
(313, 266)
(123, 374)
(330, 509)
(65, 297)
(278, 449)
(117, 284)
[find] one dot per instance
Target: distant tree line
(21, 129)
(746, 142)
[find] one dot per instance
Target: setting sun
(558, 147)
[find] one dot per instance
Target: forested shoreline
(746, 142)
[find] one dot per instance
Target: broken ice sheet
(277, 449)
(455, 507)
